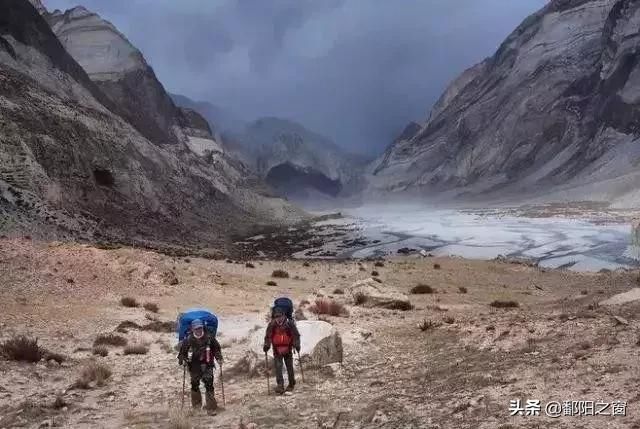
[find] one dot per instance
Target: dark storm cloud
(355, 70)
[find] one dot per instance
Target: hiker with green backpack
(284, 336)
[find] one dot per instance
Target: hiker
(204, 347)
(283, 334)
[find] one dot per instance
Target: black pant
(288, 361)
(201, 372)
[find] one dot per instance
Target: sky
(357, 71)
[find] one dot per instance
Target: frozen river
(573, 243)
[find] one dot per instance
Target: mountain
(554, 113)
(299, 163)
(72, 165)
(120, 71)
(221, 119)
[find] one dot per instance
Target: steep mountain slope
(223, 121)
(70, 165)
(120, 71)
(555, 110)
(298, 162)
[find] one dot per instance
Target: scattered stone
(369, 293)
(621, 320)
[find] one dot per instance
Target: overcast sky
(355, 70)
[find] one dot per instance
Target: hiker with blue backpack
(284, 336)
(202, 345)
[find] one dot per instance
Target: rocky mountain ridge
(71, 164)
(553, 114)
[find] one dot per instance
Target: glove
(265, 348)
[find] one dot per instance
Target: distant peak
(79, 12)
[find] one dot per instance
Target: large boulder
(321, 345)
(369, 293)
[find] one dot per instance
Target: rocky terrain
(553, 113)
(73, 166)
(434, 343)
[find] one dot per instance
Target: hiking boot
(210, 403)
(279, 389)
(196, 400)
(290, 387)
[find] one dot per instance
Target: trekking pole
(300, 362)
(266, 366)
(224, 401)
(184, 380)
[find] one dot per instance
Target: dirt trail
(558, 344)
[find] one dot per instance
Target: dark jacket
(289, 326)
(199, 346)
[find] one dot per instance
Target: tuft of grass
(379, 264)
(93, 372)
(280, 274)
(422, 289)
(377, 279)
(249, 265)
(436, 266)
(127, 301)
(399, 305)
(374, 273)
(100, 351)
(584, 292)
(110, 340)
(330, 307)
(306, 264)
(160, 326)
(462, 289)
(124, 327)
(338, 291)
(504, 304)
(427, 325)
(272, 283)
(359, 298)
(59, 403)
(22, 348)
(179, 419)
(151, 306)
(448, 320)
(136, 349)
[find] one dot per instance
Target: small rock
(424, 253)
(621, 320)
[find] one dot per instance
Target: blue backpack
(183, 325)
(285, 304)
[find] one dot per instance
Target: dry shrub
(427, 325)
(306, 264)
(338, 291)
(110, 340)
(449, 320)
(398, 305)
(374, 273)
(436, 266)
(584, 292)
(127, 301)
(280, 274)
(59, 403)
(249, 265)
(93, 372)
(124, 327)
(422, 289)
(100, 351)
(151, 306)
(136, 349)
(359, 298)
(377, 279)
(272, 283)
(462, 289)
(330, 307)
(504, 304)
(22, 348)
(160, 326)
(179, 419)
(362, 269)
(379, 264)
